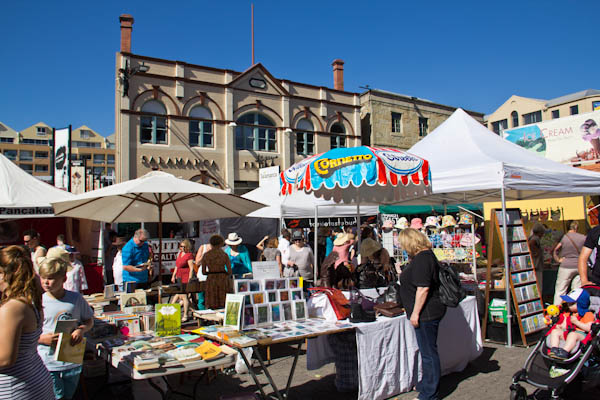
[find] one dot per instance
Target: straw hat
(57, 252)
(340, 239)
(233, 239)
(368, 247)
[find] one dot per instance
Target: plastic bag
(240, 365)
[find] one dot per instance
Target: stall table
(388, 354)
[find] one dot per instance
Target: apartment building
(518, 110)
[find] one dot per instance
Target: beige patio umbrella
(156, 197)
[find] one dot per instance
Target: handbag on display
(339, 302)
(390, 295)
(358, 312)
(389, 309)
(194, 285)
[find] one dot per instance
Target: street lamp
(127, 73)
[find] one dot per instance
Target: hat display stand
(524, 289)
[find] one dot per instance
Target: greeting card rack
(526, 303)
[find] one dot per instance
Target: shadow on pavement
(482, 365)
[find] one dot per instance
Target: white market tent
(301, 205)
(24, 196)
(471, 164)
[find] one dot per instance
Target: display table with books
(293, 332)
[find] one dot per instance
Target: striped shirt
(27, 378)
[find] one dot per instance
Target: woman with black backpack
(419, 290)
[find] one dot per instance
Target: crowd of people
(40, 286)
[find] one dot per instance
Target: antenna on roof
(252, 16)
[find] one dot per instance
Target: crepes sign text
(327, 166)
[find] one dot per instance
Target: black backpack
(451, 290)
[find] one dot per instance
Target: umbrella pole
(160, 242)
(506, 270)
(316, 249)
(357, 223)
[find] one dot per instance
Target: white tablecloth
(388, 354)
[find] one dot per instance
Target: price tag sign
(265, 270)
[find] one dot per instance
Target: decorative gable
(258, 79)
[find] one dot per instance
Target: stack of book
(146, 360)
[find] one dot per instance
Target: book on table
(67, 352)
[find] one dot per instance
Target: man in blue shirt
(135, 255)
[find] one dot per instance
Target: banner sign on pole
(268, 176)
(62, 158)
(294, 223)
(78, 176)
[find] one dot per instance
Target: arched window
(254, 131)
(200, 129)
(339, 139)
(305, 137)
(515, 119)
(153, 128)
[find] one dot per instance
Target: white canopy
(469, 163)
(300, 205)
(156, 197)
(23, 196)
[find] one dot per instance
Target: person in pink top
(341, 245)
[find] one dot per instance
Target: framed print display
(249, 317)
(270, 284)
(284, 295)
(296, 294)
(272, 296)
(233, 310)
(254, 286)
(262, 314)
(299, 309)
(247, 299)
(281, 284)
(293, 283)
(258, 298)
(276, 314)
(242, 285)
(287, 311)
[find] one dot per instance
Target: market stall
(471, 164)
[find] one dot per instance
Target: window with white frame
(201, 129)
(339, 138)
(254, 131)
(532, 118)
(85, 134)
(499, 126)
(41, 130)
(305, 137)
(515, 118)
(153, 128)
(396, 122)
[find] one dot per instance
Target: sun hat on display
(467, 240)
(233, 239)
(368, 247)
(448, 221)
(416, 223)
(465, 219)
(388, 224)
(431, 222)
(402, 223)
(340, 239)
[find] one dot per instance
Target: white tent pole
(316, 249)
(474, 254)
(101, 260)
(506, 270)
(357, 249)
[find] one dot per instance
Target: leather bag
(389, 309)
(194, 285)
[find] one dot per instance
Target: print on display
(284, 295)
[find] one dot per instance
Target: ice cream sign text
(326, 166)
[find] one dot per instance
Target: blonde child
(61, 304)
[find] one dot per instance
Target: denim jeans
(427, 334)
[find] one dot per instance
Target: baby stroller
(562, 379)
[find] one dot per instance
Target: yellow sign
(323, 165)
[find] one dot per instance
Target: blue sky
(58, 57)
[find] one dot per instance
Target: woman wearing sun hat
(238, 255)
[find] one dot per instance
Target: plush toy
(551, 315)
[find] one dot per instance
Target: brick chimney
(126, 28)
(338, 74)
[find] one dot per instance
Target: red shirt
(183, 268)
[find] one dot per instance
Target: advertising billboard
(62, 158)
(569, 140)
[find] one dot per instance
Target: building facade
(218, 126)
(32, 149)
(398, 121)
(518, 111)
